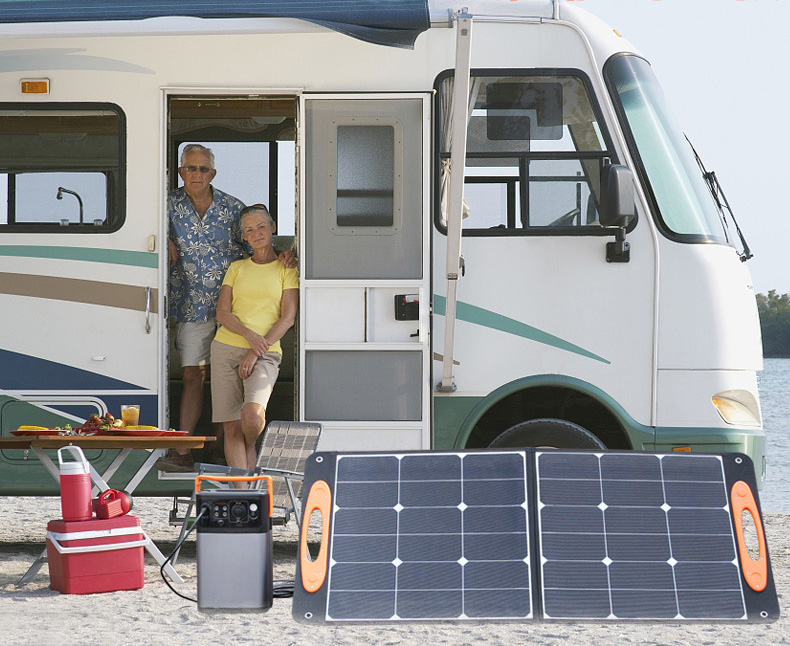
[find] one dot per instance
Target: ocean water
(774, 385)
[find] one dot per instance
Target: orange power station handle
(314, 572)
(240, 479)
(755, 572)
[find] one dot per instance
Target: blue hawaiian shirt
(205, 250)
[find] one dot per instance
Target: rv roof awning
(384, 22)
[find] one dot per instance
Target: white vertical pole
(460, 118)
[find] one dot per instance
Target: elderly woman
(257, 305)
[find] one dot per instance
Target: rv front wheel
(547, 432)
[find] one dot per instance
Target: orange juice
(130, 415)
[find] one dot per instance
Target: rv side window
(365, 176)
(534, 153)
(61, 168)
(366, 191)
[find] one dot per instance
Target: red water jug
(75, 485)
(112, 503)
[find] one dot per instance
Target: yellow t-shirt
(257, 295)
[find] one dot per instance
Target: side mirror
(616, 208)
(617, 196)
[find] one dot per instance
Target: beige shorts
(229, 392)
(193, 341)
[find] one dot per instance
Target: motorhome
(503, 237)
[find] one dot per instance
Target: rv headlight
(738, 407)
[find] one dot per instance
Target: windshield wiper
(723, 205)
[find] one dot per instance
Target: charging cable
(174, 552)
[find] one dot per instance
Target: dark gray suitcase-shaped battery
(234, 550)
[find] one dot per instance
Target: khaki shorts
(193, 341)
(229, 392)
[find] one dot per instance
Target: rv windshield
(682, 200)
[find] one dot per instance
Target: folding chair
(284, 450)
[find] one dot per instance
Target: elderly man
(204, 239)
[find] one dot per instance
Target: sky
(723, 67)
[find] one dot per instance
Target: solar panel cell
(576, 604)
(432, 493)
(361, 604)
(573, 519)
(632, 576)
(636, 493)
(424, 547)
(711, 604)
(360, 576)
(367, 521)
(638, 603)
(366, 549)
(573, 546)
(427, 520)
(362, 494)
(430, 576)
(572, 491)
(639, 520)
(497, 604)
(581, 575)
(482, 520)
(637, 467)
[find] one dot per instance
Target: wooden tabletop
(106, 442)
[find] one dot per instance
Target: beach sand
(34, 614)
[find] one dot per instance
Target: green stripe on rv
(110, 256)
(486, 318)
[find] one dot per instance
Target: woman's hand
(258, 344)
(247, 364)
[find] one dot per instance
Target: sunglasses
(194, 169)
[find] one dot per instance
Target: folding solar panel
(531, 534)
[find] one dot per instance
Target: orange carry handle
(239, 479)
(314, 572)
(755, 572)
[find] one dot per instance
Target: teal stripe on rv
(110, 256)
(489, 319)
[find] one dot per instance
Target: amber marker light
(738, 407)
(35, 86)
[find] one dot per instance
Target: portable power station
(234, 550)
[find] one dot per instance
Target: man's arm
(172, 252)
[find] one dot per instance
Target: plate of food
(40, 431)
(36, 431)
(141, 431)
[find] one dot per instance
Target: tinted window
(534, 154)
(61, 168)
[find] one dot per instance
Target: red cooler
(101, 555)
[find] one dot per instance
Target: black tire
(546, 432)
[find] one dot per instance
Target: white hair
(189, 148)
(256, 208)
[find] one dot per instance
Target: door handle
(148, 310)
(407, 307)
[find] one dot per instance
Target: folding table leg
(144, 469)
(154, 551)
(33, 569)
(100, 480)
(184, 528)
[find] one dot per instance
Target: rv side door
(364, 273)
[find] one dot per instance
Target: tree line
(774, 310)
